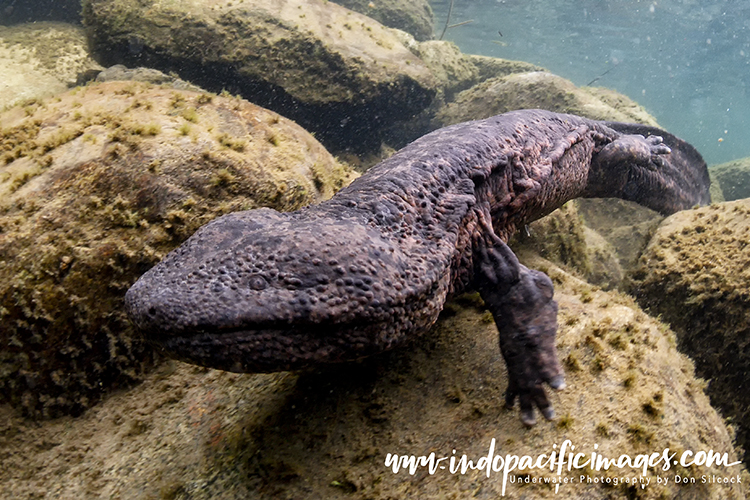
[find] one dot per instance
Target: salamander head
(261, 291)
(650, 167)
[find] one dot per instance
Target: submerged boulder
(625, 225)
(412, 16)
(562, 238)
(695, 273)
(198, 433)
(336, 72)
(120, 73)
(539, 89)
(733, 178)
(96, 186)
(493, 67)
(41, 59)
(454, 70)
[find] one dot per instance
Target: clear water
(687, 62)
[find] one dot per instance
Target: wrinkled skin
(262, 291)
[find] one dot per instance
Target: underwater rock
(627, 109)
(542, 90)
(492, 67)
(118, 72)
(734, 178)
(695, 273)
(454, 70)
(717, 195)
(41, 59)
(558, 237)
(96, 186)
(562, 238)
(625, 225)
(190, 432)
(336, 72)
(412, 16)
(604, 266)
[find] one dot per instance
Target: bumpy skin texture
(262, 291)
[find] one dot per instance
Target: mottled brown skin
(263, 291)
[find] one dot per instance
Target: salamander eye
(258, 283)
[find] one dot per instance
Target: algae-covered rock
(492, 67)
(188, 432)
(734, 178)
(628, 110)
(118, 72)
(454, 70)
(717, 195)
(604, 265)
(538, 90)
(96, 186)
(41, 59)
(562, 238)
(412, 16)
(558, 237)
(336, 72)
(695, 273)
(625, 225)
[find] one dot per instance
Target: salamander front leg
(520, 300)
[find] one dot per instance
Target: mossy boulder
(453, 69)
(543, 90)
(456, 71)
(625, 225)
(626, 109)
(733, 178)
(120, 73)
(562, 238)
(717, 195)
(41, 59)
(558, 237)
(493, 67)
(695, 273)
(96, 186)
(338, 73)
(412, 16)
(192, 432)
(604, 265)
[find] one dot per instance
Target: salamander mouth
(273, 349)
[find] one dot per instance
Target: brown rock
(96, 186)
(412, 16)
(41, 59)
(538, 90)
(733, 178)
(336, 72)
(695, 273)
